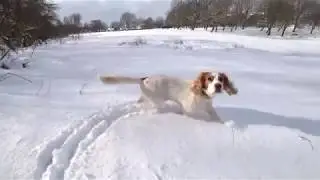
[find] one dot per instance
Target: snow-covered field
(65, 124)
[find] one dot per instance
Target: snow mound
(171, 146)
(127, 141)
(197, 45)
(57, 156)
(179, 44)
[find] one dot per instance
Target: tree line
(25, 23)
(267, 14)
(129, 21)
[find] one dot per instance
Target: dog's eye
(220, 78)
(210, 78)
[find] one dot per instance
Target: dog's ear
(200, 83)
(228, 85)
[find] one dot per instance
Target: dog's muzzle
(218, 88)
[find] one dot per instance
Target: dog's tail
(121, 80)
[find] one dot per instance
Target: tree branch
(8, 75)
(308, 140)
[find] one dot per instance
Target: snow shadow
(245, 117)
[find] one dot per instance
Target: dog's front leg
(213, 115)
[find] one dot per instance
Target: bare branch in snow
(308, 140)
(8, 75)
(82, 88)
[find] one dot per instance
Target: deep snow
(66, 124)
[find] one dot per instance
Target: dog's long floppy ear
(199, 84)
(228, 85)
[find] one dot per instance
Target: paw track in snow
(56, 159)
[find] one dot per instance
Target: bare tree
(242, 9)
(115, 25)
(24, 23)
(148, 23)
(313, 15)
(128, 20)
(192, 13)
(234, 13)
(279, 12)
(286, 14)
(76, 19)
(178, 15)
(98, 25)
(301, 6)
(175, 3)
(159, 22)
(220, 12)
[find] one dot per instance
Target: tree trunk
(216, 29)
(245, 19)
(296, 23)
(313, 27)
(269, 29)
(224, 27)
(282, 26)
(212, 29)
(284, 29)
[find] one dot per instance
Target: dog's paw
(230, 124)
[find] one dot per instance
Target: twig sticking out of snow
(82, 88)
(49, 88)
(8, 75)
(232, 129)
(33, 50)
(40, 88)
(308, 140)
(231, 124)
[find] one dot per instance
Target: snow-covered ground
(64, 124)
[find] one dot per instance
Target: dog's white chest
(192, 104)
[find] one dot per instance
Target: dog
(193, 96)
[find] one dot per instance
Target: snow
(62, 123)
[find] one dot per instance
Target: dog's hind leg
(142, 99)
(144, 102)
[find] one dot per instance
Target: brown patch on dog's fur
(201, 83)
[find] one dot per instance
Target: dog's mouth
(218, 90)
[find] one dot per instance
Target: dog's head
(211, 83)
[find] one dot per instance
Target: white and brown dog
(194, 97)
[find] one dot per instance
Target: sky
(111, 10)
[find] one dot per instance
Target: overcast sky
(110, 10)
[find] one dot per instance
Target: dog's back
(163, 87)
(120, 80)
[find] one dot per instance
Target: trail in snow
(59, 157)
(57, 154)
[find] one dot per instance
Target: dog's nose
(218, 86)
